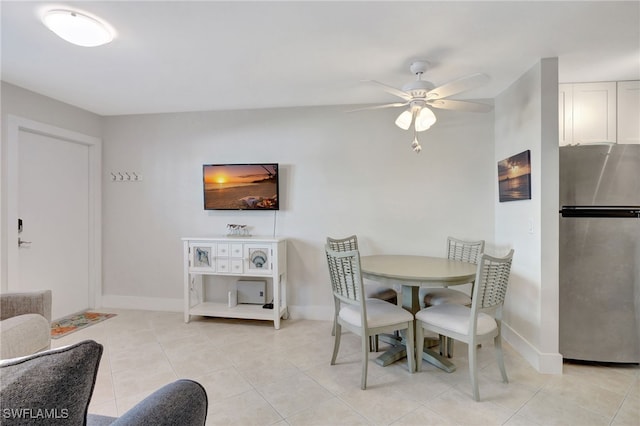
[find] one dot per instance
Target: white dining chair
(465, 251)
(359, 315)
(478, 323)
(371, 291)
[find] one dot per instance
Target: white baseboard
(315, 313)
(545, 363)
(144, 303)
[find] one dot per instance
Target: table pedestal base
(399, 351)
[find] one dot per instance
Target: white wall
(527, 118)
(341, 173)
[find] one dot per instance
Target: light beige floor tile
(587, 393)
(145, 380)
(521, 420)
(629, 413)
(248, 408)
(308, 355)
(423, 416)
(327, 413)
(103, 388)
(377, 404)
(104, 408)
(294, 393)
(345, 375)
(130, 340)
(615, 379)
(550, 409)
(143, 356)
(458, 405)
(221, 384)
(198, 362)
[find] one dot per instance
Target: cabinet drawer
(222, 265)
(222, 250)
(237, 266)
(237, 250)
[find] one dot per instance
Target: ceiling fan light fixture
(425, 119)
(78, 28)
(405, 119)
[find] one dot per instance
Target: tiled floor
(256, 375)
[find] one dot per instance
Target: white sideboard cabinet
(212, 266)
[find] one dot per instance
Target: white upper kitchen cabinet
(629, 112)
(587, 113)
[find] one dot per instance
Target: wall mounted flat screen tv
(240, 186)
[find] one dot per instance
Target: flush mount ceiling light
(77, 28)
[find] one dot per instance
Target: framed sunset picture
(514, 177)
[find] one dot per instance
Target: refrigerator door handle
(601, 211)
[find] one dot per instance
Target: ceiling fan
(421, 95)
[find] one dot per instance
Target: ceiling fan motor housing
(418, 88)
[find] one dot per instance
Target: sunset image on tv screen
(240, 186)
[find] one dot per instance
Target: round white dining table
(413, 272)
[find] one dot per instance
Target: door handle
(22, 242)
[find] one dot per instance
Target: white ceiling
(214, 55)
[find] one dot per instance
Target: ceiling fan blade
(393, 105)
(459, 105)
(390, 89)
(456, 86)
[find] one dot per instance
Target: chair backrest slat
(491, 281)
(345, 274)
(465, 251)
(343, 244)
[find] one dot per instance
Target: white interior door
(54, 196)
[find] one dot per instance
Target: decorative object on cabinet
(246, 257)
(514, 177)
(234, 230)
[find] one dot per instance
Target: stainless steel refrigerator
(600, 253)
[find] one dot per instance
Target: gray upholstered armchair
(55, 387)
(25, 323)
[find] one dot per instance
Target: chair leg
(473, 370)
(336, 342)
(411, 355)
(365, 360)
(443, 342)
(449, 347)
(419, 345)
(373, 343)
(500, 357)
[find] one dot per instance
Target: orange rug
(75, 322)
